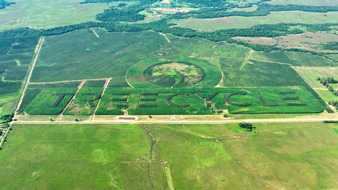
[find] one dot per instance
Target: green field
(247, 22)
(15, 56)
(87, 99)
(305, 2)
(42, 14)
(162, 101)
(292, 155)
(81, 55)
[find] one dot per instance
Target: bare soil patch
(171, 10)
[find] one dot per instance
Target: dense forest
(4, 4)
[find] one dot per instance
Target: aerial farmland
(173, 94)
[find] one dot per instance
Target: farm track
(98, 103)
(68, 81)
(71, 100)
(246, 59)
(165, 36)
(94, 32)
(37, 52)
(168, 121)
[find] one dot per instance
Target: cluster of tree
(331, 121)
(326, 81)
(248, 126)
(4, 4)
(330, 46)
(6, 118)
(334, 103)
(127, 14)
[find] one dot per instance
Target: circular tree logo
(175, 74)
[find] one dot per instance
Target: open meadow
(286, 155)
(247, 22)
(41, 14)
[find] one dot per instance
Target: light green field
(305, 2)
(246, 22)
(289, 156)
(43, 14)
(310, 75)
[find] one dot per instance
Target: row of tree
(248, 126)
(4, 4)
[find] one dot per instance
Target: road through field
(163, 121)
(71, 100)
(37, 52)
(98, 103)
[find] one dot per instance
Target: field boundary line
(67, 81)
(165, 37)
(246, 59)
(99, 102)
(94, 32)
(71, 100)
(30, 72)
(276, 62)
(128, 82)
(221, 81)
(10, 49)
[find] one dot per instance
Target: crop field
(15, 56)
(81, 55)
(161, 101)
(293, 155)
(47, 99)
(86, 99)
(43, 15)
(247, 22)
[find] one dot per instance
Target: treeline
(127, 14)
(330, 46)
(262, 10)
(165, 27)
(4, 4)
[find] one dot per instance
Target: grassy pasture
(307, 41)
(246, 22)
(305, 2)
(292, 155)
(42, 14)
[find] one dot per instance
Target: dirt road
(37, 52)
